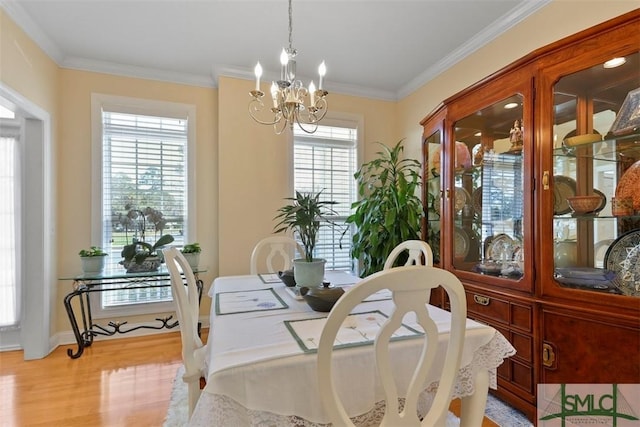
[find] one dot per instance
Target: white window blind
(326, 160)
(144, 184)
(9, 224)
(502, 195)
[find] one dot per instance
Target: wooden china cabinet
(501, 160)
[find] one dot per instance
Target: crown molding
(24, 21)
(484, 37)
(124, 70)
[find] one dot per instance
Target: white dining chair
(417, 250)
(280, 249)
(187, 303)
(410, 287)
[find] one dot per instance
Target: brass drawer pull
(545, 180)
(482, 300)
(548, 355)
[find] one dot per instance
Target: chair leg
(473, 407)
(194, 394)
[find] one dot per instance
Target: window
(326, 160)
(144, 152)
(9, 220)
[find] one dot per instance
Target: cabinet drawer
(497, 310)
(487, 306)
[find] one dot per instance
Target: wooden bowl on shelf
(588, 138)
(585, 204)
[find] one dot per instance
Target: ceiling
(382, 49)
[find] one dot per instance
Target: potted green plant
(389, 210)
(92, 259)
(191, 253)
(304, 216)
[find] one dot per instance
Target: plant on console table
(92, 259)
(191, 253)
(304, 216)
(141, 256)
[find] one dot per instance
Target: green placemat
(247, 301)
(358, 329)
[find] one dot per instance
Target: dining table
(262, 358)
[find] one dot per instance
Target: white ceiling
(375, 48)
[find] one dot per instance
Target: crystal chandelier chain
(289, 95)
(290, 26)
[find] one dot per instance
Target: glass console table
(108, 281)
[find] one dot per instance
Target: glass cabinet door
(596, 178)
(432, 193)
(488, 190)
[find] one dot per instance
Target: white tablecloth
(259, 374)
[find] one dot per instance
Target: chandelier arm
(283, 124)
(312, 129)
(259, 107)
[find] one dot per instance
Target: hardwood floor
(123, 382)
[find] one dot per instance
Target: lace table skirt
(220, 410)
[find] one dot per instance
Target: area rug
(498, 411)
(504, 415)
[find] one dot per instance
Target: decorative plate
(462, 198)
(629, 184)
(563, 188)
(496, 197)
(623, 257)
(461, 243)
(630, 273)
(500, 248)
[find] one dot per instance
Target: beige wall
(27, 71)
(255, 166)
(74, 154)
(242, 167)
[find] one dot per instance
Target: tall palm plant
(389, 210)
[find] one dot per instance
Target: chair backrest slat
(280, 249)
(419, 253)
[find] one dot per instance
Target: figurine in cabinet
(515, 136)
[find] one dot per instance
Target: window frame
(100, 102)
(336, 119)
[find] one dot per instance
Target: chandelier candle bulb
(322, 70)
(258, 72)
(312, 92)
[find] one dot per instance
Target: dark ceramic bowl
(321, 298)
(287, 277)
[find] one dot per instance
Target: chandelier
(289, 96)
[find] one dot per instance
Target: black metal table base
(85, 331)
